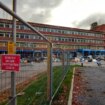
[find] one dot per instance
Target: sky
(69, 13)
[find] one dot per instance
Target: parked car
(56, 60)
(27, 60)
(100, 57)
(39, 59)
(90, 58)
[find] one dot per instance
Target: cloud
(41, 17)
(98, 17)
(7, 2)
(37, 10)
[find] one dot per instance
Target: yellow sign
(11, 48)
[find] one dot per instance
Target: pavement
(88, 87)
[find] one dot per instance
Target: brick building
(73, 40)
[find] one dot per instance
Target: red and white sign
(10, 62)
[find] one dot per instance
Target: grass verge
(61, 98)
(36, 92)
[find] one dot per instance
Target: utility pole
(13, 75)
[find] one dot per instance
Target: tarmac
(88, 85)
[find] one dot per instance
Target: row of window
(23, 36)
(24, 44)
(77, 47)
(73, 32)
(64, 39)
(34, 45)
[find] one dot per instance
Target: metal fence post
(63, 63)
(49, 72)
(13, 75)
(67, 58)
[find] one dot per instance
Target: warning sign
(11, 48)
(10, 62)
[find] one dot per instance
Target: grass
(64, 89)
(36, 92)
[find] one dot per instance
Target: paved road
(26, 71)
(90, 64)
(93, 81)
(95, 85)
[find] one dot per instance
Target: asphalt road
(26, 71)
(93, 80)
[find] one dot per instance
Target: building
(65, 38)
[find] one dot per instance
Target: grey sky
(40, 9)
(34, 10)
(98, 17)
(70, 13)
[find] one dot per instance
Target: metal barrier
(38, 80)
(30, 74)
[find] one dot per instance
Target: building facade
(64, 38)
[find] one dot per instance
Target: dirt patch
(62, 98)
(78, 87)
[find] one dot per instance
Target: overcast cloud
(37, 10)
(34, 10)
(85, 23)
(70, 13)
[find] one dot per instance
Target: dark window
(22, 27)
(17, 35)
(7, 25)
(1, 34)
(1, 25)
(27, 36)
(21, 36)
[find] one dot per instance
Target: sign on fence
(11, 48)
(10, 62)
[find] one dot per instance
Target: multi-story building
(71, 39)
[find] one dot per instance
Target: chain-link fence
(31, 82)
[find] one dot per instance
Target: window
(1, 24)
(18, 44)
(22, 27)
(66, 39)
(27, 36)
(56, 38)
(72, 40)
(17, 35)
(21, 36)
(62, 39)
(17, 27)
(40, 29)
(2, 44)
(32, 37)
(36, 37)
(52, 30)
(1, 34)
(59, 31)
(48, 30)
(44, 29)
(7, 34)
(69, 39)
(7, 25)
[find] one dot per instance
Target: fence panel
(32, 79)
